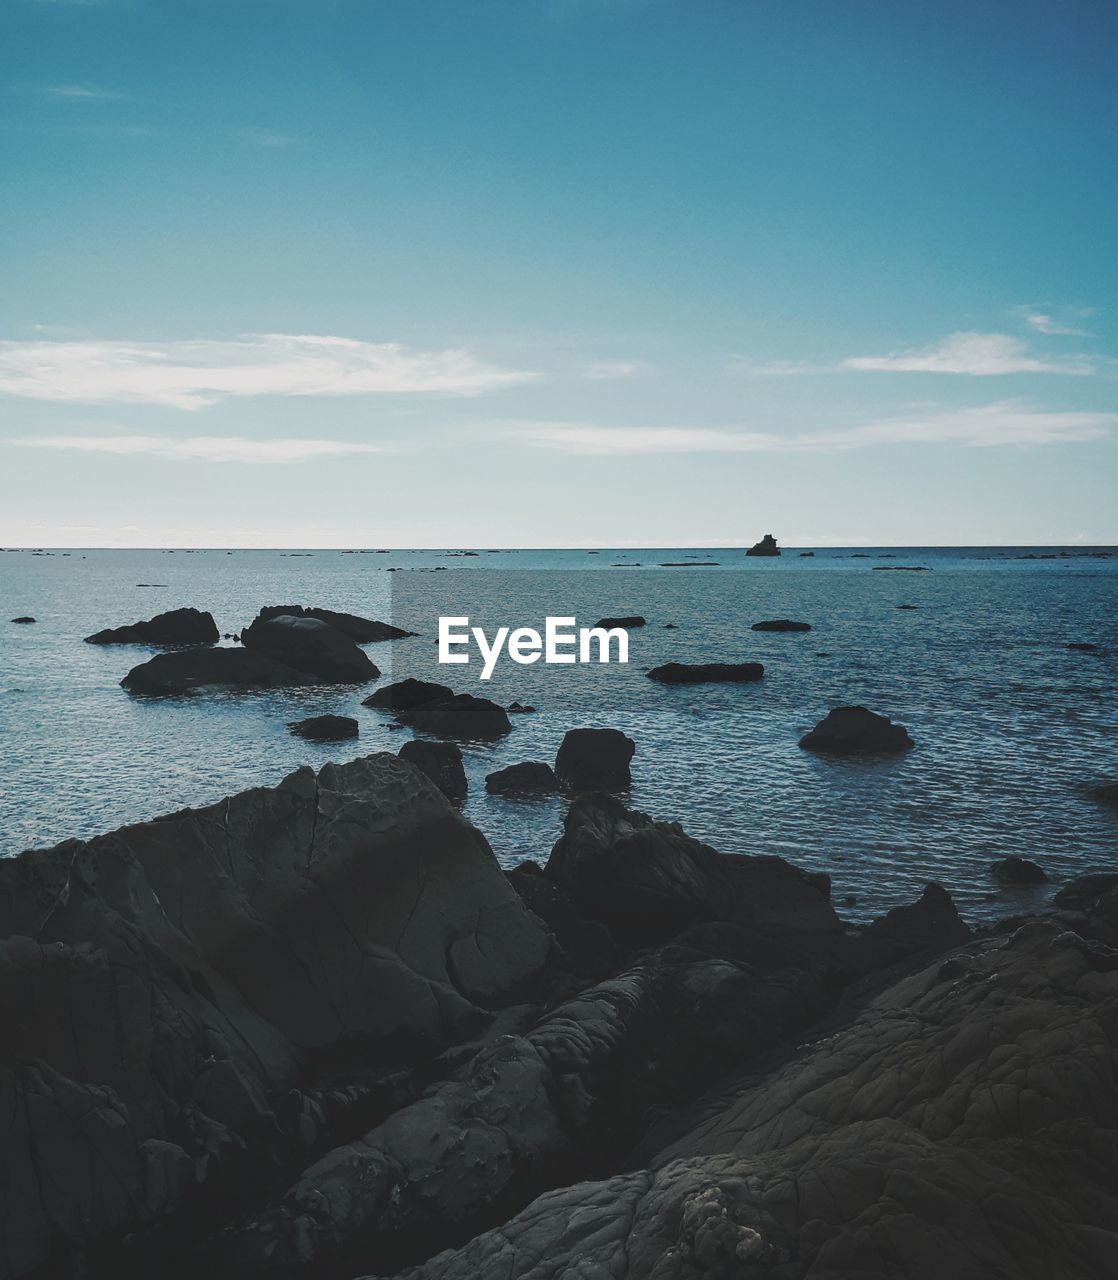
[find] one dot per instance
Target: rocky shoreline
(314, 1030)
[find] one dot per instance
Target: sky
(297, 273)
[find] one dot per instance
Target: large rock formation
(595, 760)
(176, 627)
(310, 645)
(406, 694)
(168, 989)
(766, 547)
(186, 671)
(855, 731)
(461, 716)
(362, 630)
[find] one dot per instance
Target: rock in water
(325, 728)
(854, 731)
(595, 760)
(531, 778)
(361, 630)
(188, 670)
(1014, 870)
(26, 618)
(177, 626)
(707, 672)
(781, 624)
(406, 694)
(461, 716)
(766, 547)
(442, 763)
(312, 646)
(630, 620)
(168, 988)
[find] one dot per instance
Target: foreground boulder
(177, 626)
(595, 760)
(531, 778)
(1015, 870)
(766, 547)
(361, 630)
(781, 624)
(963, 1125)
(169, 988)
(461, 716)
(707, 672)
(325, 728)
(310, 645)
(442, 763)
(855, 731)
(406, 694)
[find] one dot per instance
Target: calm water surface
(1012, 728)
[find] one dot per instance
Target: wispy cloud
(987, 426)
(1051, 325)
(194, 374)
(80, 92)
(977, 354)
(201, 448)
(613, 370)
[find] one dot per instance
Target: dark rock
(781, 624)
(325, 728)
(1105, 793)
(312, 646)
(518, 708)
(848, 731)
(1014, 870)
(406, 694)
(177, 626)
(361, 630)
(460, 716)
(595, 760)
(168, 989)
(807, 555)
(707, 672)
(585, 945)
(1083, 646)
(188, 670)
(633, 620)
(766, 547)
(442, 763)
(24, 620)
(1084, 891)
(908, 606)
(532, 778)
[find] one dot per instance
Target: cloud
(195, 373)
(80, 92)
(611, 370)
(1049, 325)
(1003, 424)
(977, 354)
(201, 448)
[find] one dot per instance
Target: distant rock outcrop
(175, 627)
(707, 672)
(24, 620)
(781, 624)
(629, 620)
(309, 645)
(766, 547)
(595, 760)
(849, 731)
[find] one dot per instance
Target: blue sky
(557, 272)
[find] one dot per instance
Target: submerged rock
(1015, 870)
(361, 630)
(442, 763)
(707, 672)
(847, 731)
(311, 646)
(24, 620)
(766, 547)
(175, 627)
(406, 694)
(781, 624)
(325, 728)
(531, 778)
(595, 760)
(459, 716)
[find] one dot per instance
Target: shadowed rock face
(530, 778)
(168, 988)
(595, 760)
(854, 731)
(442, 763)
(177, 626)
(188, 670)
(963, 1125)
(461, 716)
(406, 694)
(307, 644)
(362, 630)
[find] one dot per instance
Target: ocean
(1013, 729)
